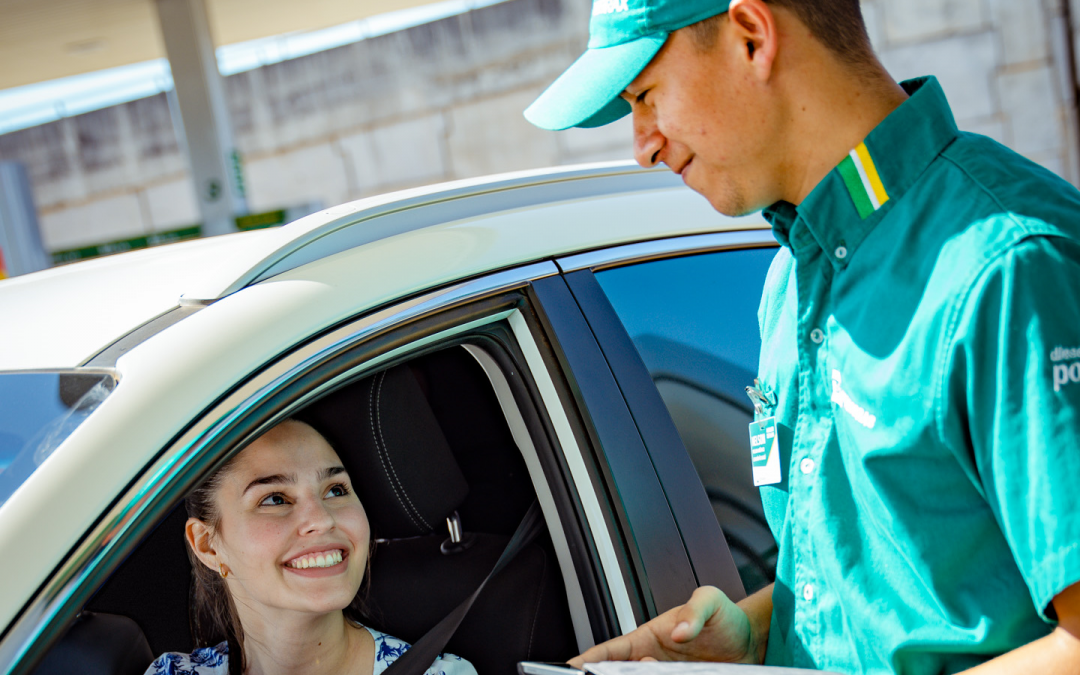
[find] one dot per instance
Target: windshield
(38, 410)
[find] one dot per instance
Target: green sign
(257, 221)
(252, 221)
(238, 173)
(156, 239)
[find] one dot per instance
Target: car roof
(63, 316)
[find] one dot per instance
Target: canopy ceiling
(46, 39)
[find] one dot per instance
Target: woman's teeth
(324, 559)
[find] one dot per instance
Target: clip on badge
(765, 451)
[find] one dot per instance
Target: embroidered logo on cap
(601, 7)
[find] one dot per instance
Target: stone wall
(443, 101)
(1003, 65)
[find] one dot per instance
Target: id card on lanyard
(764, 450)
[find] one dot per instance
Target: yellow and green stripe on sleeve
(862, 181)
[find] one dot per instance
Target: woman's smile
(319, 563)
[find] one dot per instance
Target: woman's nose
(316, 517)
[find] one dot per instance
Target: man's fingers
(691, 617)
(650, 640)
(616, 649)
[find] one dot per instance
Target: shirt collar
(856, 195)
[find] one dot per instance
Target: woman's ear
(200, 539)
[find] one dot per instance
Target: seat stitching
(377, 436)
(378, 408)
(536, 612)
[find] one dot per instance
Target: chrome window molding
(523, 439)
(579, 473)
(665, 248)
(191, 455)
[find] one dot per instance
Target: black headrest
(99, 644)
(397, 456)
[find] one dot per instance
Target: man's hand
(710, 627)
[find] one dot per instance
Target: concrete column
(20, 240)
(204, 127)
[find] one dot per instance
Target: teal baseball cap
(624, 36)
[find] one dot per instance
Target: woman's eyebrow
(331, 471)
(276, 479)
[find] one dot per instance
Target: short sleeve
(205, 661)
(1012, 397)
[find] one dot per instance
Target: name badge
(765, 451)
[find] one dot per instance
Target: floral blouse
(215, 660)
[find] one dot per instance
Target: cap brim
(587, 94)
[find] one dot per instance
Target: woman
(279, 547)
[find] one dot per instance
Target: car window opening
(443, 405)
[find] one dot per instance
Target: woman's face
(292, 533)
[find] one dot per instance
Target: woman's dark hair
(212, 612)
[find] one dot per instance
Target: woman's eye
(273, 500)
(641, 96)
(339, 490)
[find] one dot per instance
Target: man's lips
(682, 169)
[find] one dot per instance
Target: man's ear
(754, 26)
(200, 539)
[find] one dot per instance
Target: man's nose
(648, 141)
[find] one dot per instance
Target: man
(920, 331)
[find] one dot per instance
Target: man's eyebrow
(330, 472)
(276, 479)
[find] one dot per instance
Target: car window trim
(575, 458)
(702, 534)
(670, 247)
(657, 556)
(523, 438)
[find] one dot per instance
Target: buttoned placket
(813, 426)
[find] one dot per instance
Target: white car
(580, 337)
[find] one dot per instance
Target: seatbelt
(423, 653)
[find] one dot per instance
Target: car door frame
(702, 535)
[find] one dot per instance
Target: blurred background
(129, 123)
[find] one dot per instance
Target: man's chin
(730, 204)
(726, 199)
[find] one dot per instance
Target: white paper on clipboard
(690, 668)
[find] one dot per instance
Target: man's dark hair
(837, 24)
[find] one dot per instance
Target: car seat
(98, 644)
(411, 484)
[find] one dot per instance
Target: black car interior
(427, 447)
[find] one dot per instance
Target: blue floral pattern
(215, 660)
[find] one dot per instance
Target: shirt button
(808, 592)
(817, 336)
(807, 465)
(840, 252)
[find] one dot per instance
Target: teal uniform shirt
(921, 357)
